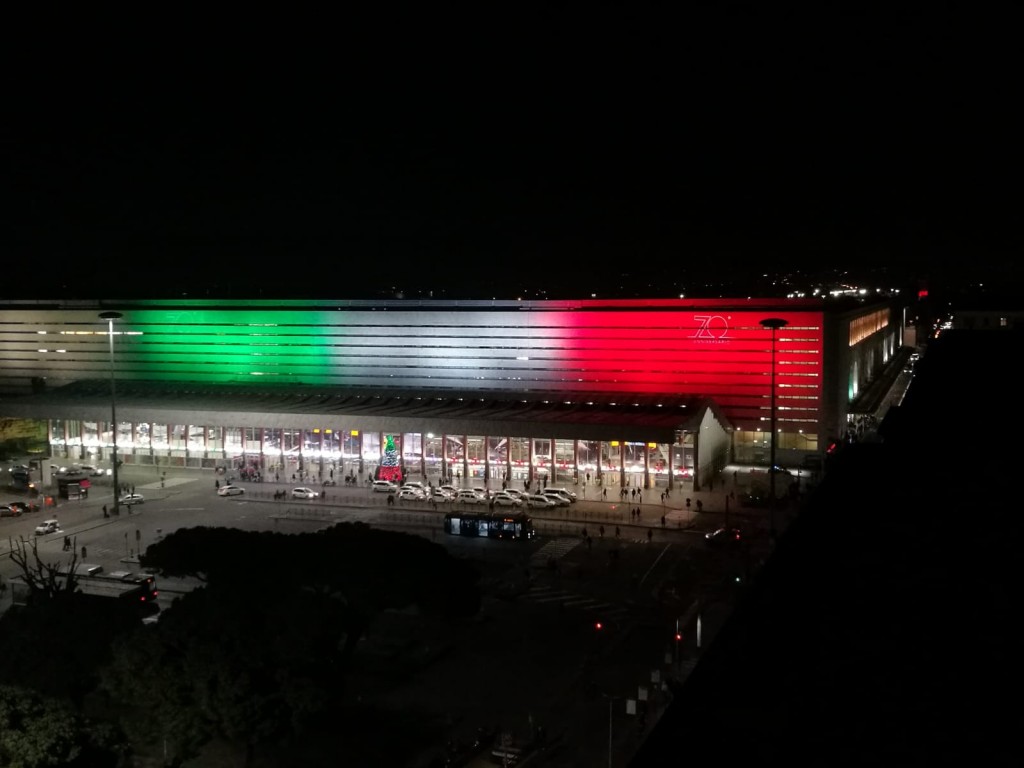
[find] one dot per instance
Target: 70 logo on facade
(711, 327)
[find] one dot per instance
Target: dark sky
(486, 155)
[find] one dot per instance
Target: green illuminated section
(231, 346)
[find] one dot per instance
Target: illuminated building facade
(645, 392)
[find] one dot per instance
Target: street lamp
(110, 317)
(774, 323)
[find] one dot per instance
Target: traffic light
(598, 626)
(679, 637)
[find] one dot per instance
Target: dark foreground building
(883, 630)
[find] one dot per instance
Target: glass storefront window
(159, 436)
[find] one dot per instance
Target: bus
(492, 525)
(138, 588)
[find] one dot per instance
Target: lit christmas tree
(390, 468)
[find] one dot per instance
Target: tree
(259, 651)
(38, 731)
(57, 642)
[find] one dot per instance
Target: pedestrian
(617, 532)
(650, 534)
(216, 483)
(604, 493)
(84, 553)
(67, 543)
(600, 531)
(105, 511)
(662, 521)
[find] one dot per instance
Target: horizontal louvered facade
(671, 349)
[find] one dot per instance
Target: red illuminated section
(705, 352)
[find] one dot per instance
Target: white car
(540, 501)
(47, 526)
(558, 496)
(470, 496)
(384, 486)
(570, 495)
(230, 490)
(131, 498)
(304, 493)
(506, 499)
(441, 497)
(411, 494)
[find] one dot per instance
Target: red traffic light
(679, 636)
(598, 625)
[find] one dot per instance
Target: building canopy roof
(598, 417)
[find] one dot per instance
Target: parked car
(91, 469)
(384, 486)
(540, 501)
(131, 498)
(506, 499)
(440, 496)
(23, 506)
(304, 493)
(450, 488)
(411, 494)
(560, 499)
(415, 484)
(470, 496)
(230, 490)
(723, 536)
(570, 495)
(9, 510)
(47, 526)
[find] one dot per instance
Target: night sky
(555, 155)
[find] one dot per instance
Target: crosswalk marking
(556, 548)
(548, 595)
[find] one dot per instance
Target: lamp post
(774, 323)
(110, 317)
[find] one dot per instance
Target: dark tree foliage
(247, 666)
(368, 569)
(57, 646)
(260, 650)
(37, 731)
